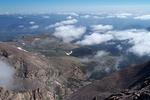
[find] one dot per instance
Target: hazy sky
(68, 5)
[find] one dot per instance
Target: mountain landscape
(36, 75)
(74, 50)
(33, 77)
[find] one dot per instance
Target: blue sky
(67, 5)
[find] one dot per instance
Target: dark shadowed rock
(134, 78)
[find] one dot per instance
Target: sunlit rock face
(22, 75)
(31, 76)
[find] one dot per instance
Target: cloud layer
(143, 17)
(65, 22)
(101, 28)
(139, 39)
(69, 33)
(34, 27)
(95, 38)
(136, 38)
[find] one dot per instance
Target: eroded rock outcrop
(39, 78)
(30, 75)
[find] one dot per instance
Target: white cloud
(123, 15)
(74, 14)
(101, 28)
(20, 17)
(71, 13)
(69, 33)
(110, 16)
(102, 58)
(34, 27)
(31, 22)
(140, 49)
(69, 17)
(126, 14)
(138, 38)
(97, 17)
(6, 74)
(143, 17)
(119, 47)
(65, 22)
(120, 15)
(86, 16)
(95, 38)
(101, 54)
